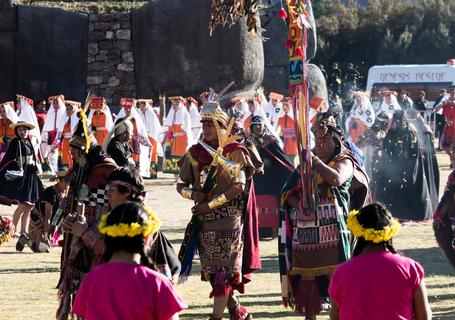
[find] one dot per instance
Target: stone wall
(7, 50)
(110, 62)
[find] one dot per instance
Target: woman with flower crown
(137, 292)
(393, 283)
(313, 241)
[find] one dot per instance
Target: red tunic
(448, 110)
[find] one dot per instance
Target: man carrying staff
(83, 206)
(224, 221)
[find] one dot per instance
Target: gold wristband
(218, 201)
(187, 193)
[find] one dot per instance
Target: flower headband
(371, 234)
(130, 230)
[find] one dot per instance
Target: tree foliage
(385, 32)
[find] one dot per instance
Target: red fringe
(308, 298)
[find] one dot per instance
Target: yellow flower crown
(130, 230)
(371, 234)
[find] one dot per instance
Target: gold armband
(218, 201)
(187, 193)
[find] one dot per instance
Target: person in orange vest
(65, 129)
(7, 117)
(153, 126)
(178, 137)
(100, 119)
(286, 131)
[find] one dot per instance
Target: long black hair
(128, 213)
(376, 216)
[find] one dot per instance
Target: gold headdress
(213, 111)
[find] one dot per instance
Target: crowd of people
(374, 167)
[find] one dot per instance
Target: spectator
(440, 120)
(351, 76)
(334, 79)
(421, 104)
(404, 100)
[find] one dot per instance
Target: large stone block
(317, 82)
(174, 53)
(276, 55)
(51, 52)
(7, 16)
(7, 65)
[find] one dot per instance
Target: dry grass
(27, 280)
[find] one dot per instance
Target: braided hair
(376, 216)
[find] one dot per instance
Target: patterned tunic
(221, 236)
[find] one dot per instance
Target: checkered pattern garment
(98, 197)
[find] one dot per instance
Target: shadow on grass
(432, 260)
(30, 270)
(444, 313)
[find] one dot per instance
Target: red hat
(61, 96)
(127, 102)
(97, 103)
(276, 96)
(28, 100)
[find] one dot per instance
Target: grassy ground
(27, 280)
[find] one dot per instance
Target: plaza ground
(27, 280)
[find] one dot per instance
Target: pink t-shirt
(126, 291)
(376, 286)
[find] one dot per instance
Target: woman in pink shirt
(378, 283)
(122, 288)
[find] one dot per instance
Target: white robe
(389, 109)
(196, 126)
(27, 114)
(183, 118)
(273, 112)
(363, 112)
(153, 126)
